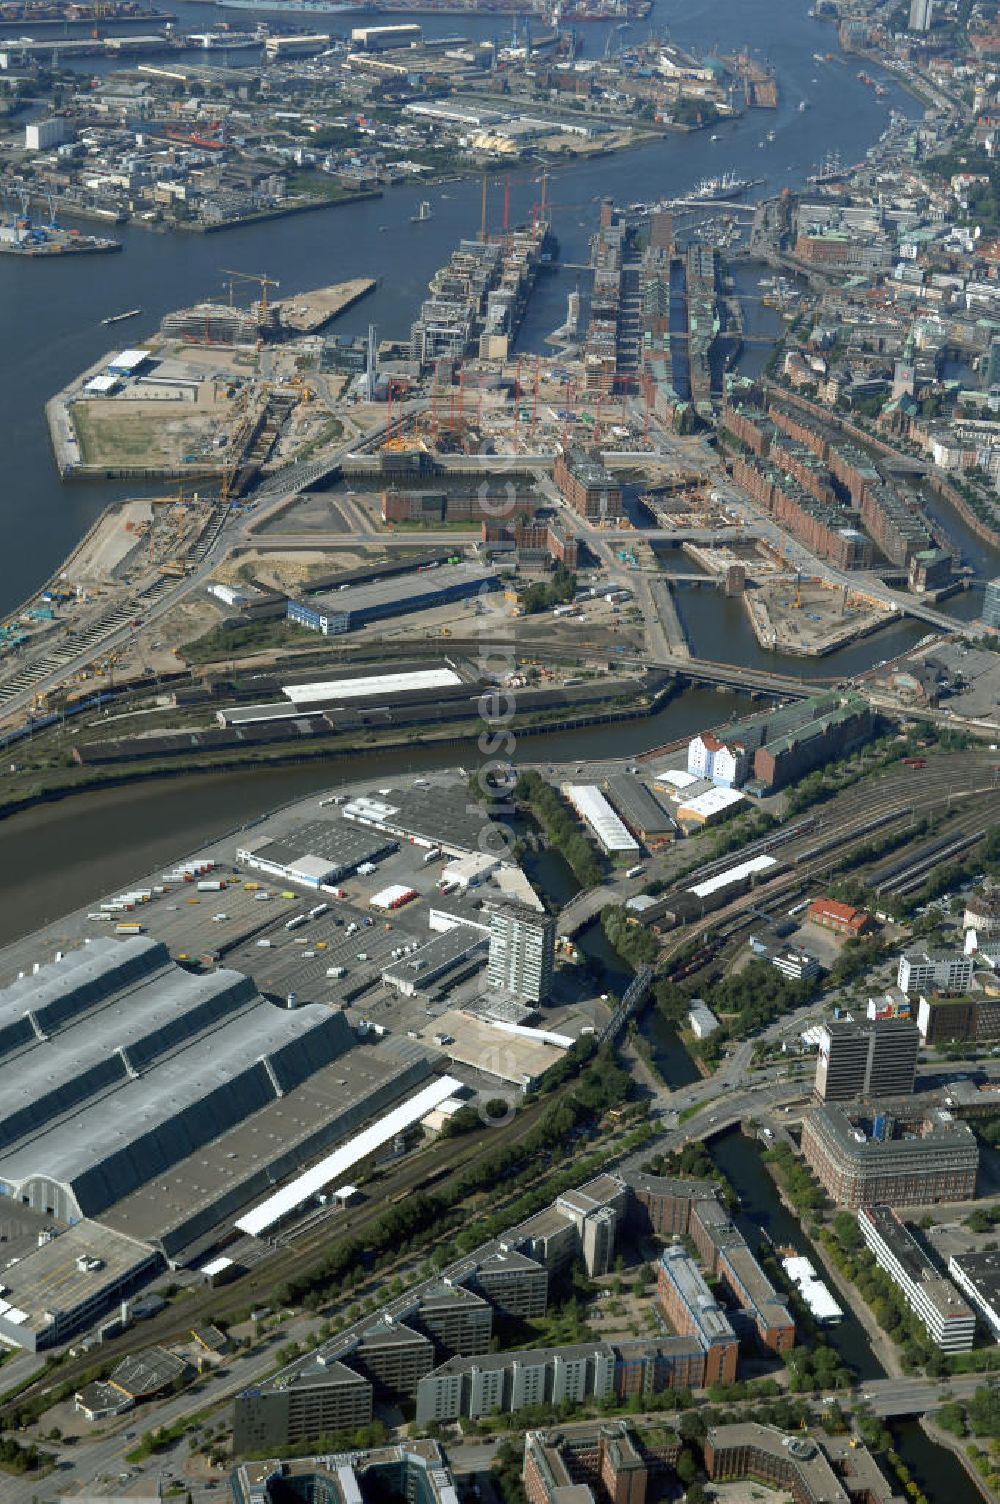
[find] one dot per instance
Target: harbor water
(50, 314)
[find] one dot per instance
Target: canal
(670, 1057)
(761, 1216)
(83, 846)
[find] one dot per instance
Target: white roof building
(592, 807)
(732, 875)
(711, 805)
(678, 778)
(127, 361)
(812, 1290)
(702, 1020)
(370, 684)
(347, 1156)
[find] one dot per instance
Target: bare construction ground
(809, 618)
(306, 312)
(147, 435)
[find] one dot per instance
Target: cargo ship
(22, 238)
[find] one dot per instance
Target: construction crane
(263, 282)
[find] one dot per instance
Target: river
(50, 312)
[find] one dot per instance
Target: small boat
(119, 318)
(423, 213)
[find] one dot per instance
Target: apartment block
(662, 1205)
(522, 951)
(393, 1356)
(978, 1276)
(456, 1319)
(326, 1400)
(644, 1368)
(725, 1252)
(433, 1342)
(692, 1310)
(596, 1210)
(601, 1461)
(949, 1321)
(507, 1382)
(924, 971)
(513, 1283)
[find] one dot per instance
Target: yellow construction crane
(263, 282)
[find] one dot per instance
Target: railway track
(300, 1256)
(856, 830)
(847, 816)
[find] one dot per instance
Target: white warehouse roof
(544, 1036)
(372, 684)
(394, 894)
(216, 1266)
(713, 801)
(347, 1156)
(127, 360)
(591, 805)
(679, 777)
(732, 874)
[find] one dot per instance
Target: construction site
(583, 481)
(809, 617)
(213, 395)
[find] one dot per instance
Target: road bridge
(584, 908)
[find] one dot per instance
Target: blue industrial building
(356, 606)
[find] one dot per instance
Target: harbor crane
(263, 282)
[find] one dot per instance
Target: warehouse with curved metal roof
(116, 1064)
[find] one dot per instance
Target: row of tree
(560, 825)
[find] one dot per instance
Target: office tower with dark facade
(875, 1057)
